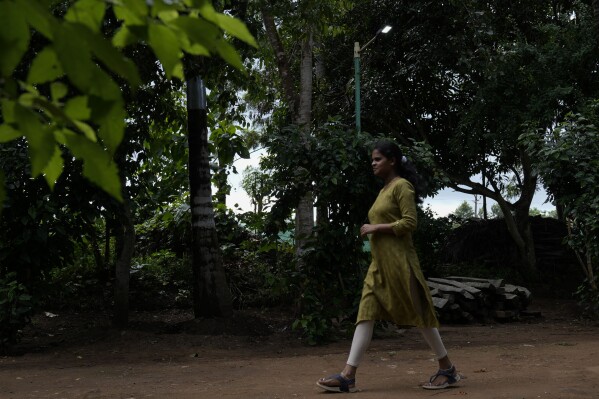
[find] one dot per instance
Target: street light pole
(357, 83)
(357, 51)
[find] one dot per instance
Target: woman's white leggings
(363, 336)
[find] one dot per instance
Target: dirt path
(553, 357)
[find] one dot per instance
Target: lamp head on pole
(384, 29)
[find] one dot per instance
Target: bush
(330, 282)
(160, 280)
(15, 309)
(588, 299)
(429, 239)
(260, 272)
(78, 285)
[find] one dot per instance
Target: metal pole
(357, 51)
(357, 82)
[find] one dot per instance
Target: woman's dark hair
(407, 170)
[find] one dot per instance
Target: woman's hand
(367, 229)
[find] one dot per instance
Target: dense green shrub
(168, 228)
(588, 299)
(160, 280)
(75, 287)
(260, 272)
(15, 309)
(330, 282)
(566, 160)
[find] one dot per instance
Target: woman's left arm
(404, 195)
(406, 199)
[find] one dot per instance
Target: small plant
(76, 285)
(15, 309)
(588, 299)
(315, 327)
(160, 280)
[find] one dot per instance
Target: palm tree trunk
(301, 111)
(211, 295)
(304, 220)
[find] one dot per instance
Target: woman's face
(381, 165)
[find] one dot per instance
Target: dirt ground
(167, 355)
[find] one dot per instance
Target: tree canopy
(67, 94)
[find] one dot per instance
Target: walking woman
(394, 287)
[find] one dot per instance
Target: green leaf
(160, 6)
(58, 90)
(123, 37)
(168, 15)
(103, 86)
(28, 99)
(236, 28)
(112, 128)
(14, 37)
(228, 53)
(8, 110)
(8, 133)
(37, 16)
(199, 31)
(39, 139)
(132, 12)
(74, 55)
(77, 108)
(110, 115)
(110, 56)
(194, 49)
(165, 44)
(139, 7)
(98, 165)
(206, 10)
(53, 170)
(87, 12)
(87, 130)
(45, 67)
(61, 135)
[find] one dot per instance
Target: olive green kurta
(386, 292)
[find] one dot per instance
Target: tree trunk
(96, 251)
(302, 115)
(107, 243)
(517, 223)
(304, 218)
(126, 245)
(211, 295)
(596, 15)
(559, 211)
(527, 252)
(282, 61)
(485, 215)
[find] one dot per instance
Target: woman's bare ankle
(349, 371)
(445, 363)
